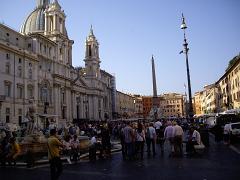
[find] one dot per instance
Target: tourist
(157, 126)
(128, 141)
(106, 144)
(178, 136)
(14, 151)
(226, 133)
(75, 148)
(161, 139)
(140, 139)
(54, 155)
(168, 135)
(67, 147)
(4, 150)
(92, 148)
(151, 139)
(194, 138)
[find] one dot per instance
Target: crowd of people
(167, 134)
(134, 137)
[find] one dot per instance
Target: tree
(232, 61)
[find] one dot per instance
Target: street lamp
(185, 51)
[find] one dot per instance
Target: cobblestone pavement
(218, 162)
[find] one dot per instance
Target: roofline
(13, 30)
(229, 69)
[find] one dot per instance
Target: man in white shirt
(196, 137)
(157, 126)
(178, 135)
(92, 148)
(168, 135)
(226, 133)
(151, 139)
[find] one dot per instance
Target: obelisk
(155, 98)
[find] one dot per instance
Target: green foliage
(232, 61)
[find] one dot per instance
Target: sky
(131, 31)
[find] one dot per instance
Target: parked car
(235, 129)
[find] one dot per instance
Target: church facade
(37, 76)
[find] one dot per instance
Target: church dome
(35, 22)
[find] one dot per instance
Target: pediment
(80, 82)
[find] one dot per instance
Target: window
(99, 104)
(50, 51)
(30, 92)
(7, 89)
(45, 93)
(19, 71)
(19, 120)
(7, 56)
(49, 67)
(7, 68)
(7, 34)
(7, 115)
(61, 25)
(30, 73)
(19, 91)
(63, 96)
(29, 45)
(16, 41)
(89, 50)
(19, 60)
(7, 119)
(20, 111)
(7, 110)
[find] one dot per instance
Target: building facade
(228, 87)
(222, 95)
(138, 106)
(37, 73)
(147, 105)
(172, 105)
(125, 105)
(169, 105)
(197, 103)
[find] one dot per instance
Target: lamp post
(185, 51)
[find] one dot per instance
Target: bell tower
(55, 30)
(92, 60)
(55, 20)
